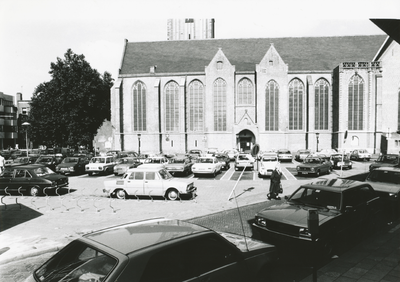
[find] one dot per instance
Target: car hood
(245, 243)
(292, 214)
(174, 165)
(269, 164)
(384, 187)
(66, 165)
(123, 165)
(53, 176)
(309, 165)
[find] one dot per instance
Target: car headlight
(71, 168)
(312, 169)
(303, 232)
(261, 221)
(297, 168)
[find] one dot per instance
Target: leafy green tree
(68, 109)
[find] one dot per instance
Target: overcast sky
(33, 33)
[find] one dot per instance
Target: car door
(21, 181)
(153, 184)
(6, 179)
(134, 183)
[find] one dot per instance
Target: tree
(68, 109)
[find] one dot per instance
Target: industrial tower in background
(183, 29)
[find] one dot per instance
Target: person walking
(275, 184)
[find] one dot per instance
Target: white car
(244, 161)
(360, 154)
(284, 155)
(232, 153)
(268, 162)
(157, 160)
(207, 165)
(149, 181)
(100, 165)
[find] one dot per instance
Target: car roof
(128, 238)
(334, 185)
(391, 168)
(28, 166)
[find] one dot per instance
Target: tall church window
(219, 105)
(172, 106)
(272, 106)
(139, 106)
(356, 103)
(296, 94)
(245, 92)
(321, 104)
(195, 106)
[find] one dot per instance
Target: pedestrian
(275, 184)
(2, 163)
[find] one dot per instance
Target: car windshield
(164, 174)
(70, 160)
(42, 171)
(206, 161)
(316, 197)
(311, 161)
(154, 161)
(388, 159)
(98, 160)
(45, 159)
(76, 262)
(384, 176)
(304, 152)
(339, 157)
(177, 161)
(269, 159)
(126, 161)
(243, 157)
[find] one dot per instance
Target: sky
(34, 33)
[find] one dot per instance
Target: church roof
(300, 53)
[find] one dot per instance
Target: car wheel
(90, 173)
(318, 173)
(350, 167)
(215, 173)
(326, 248)
(34, 191)
(116, 174)
(120, 194)
(172, 194)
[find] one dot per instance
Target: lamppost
(317, 135)
(138, 137)
(26, 136)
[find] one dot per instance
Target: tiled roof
(300, 53)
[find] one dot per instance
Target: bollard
(150, 195)
(5, 191)
(95, 206)
(109, 203)
(136, 195)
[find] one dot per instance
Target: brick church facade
(173, 96)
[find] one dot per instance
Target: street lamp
(26, 136)
(317, 135)
(138, 137)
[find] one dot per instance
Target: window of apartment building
(195, 106)
(356, 103)
(321, 104)
(296, 94)
(245, 92)
(272, 106)
(172, 106)
(219, 105)
(139, 106)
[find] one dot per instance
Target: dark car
(31, 179)
(386, 160)
(340, 161)
(159, 250)
(72, 165)
(344, 208)
(51, 161)
(314, 165)
(179, 164)
(20, 161)
(224, 159)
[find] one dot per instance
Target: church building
(339, 92)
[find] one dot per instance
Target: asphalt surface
(33, 229)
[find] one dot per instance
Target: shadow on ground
(14, 214)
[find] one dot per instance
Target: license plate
(64, 169)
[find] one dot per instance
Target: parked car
(343, 208)
(19, 161)
(360, 155)
(195, 153)
(72, 165)
(180, 164)
(341, 161)
(268, 162)
(386, 160)
(233, 153)
(224, 159)
(314, 165)
(159, 250)
(100, 165)
(30, 179)
(206, 165)
(150, 181)
(51, 161)
(244, 161)
(156, 160)
(327, 152)
(284, 155)
(302, 154)
(124, 164)
(386, 182)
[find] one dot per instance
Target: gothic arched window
(195, 106)
(272, 106)
(296, 94)
(356, 103)
(245, 92)
(139, 106)
(172, 106)
(219, 92)
(321, 104)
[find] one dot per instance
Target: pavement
(34, 228)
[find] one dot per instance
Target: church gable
(220, 63)
(272, 62)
